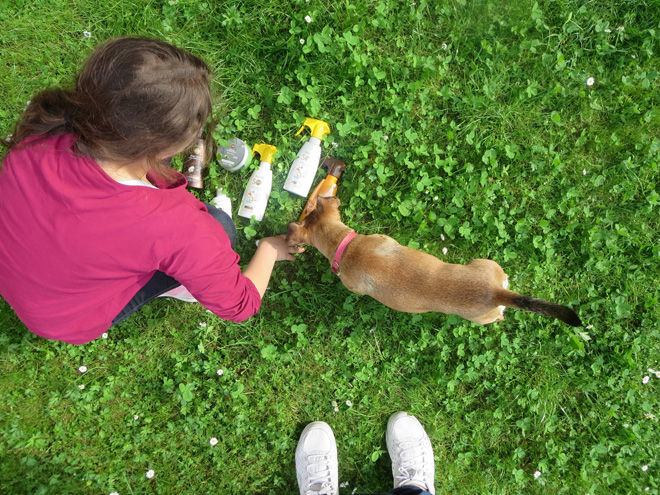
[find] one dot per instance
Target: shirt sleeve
(208, 268)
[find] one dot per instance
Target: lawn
(527, 132)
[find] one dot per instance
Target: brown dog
(408, 280)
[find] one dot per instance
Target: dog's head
(327, 207)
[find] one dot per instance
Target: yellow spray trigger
(266, 151)
(318, 128)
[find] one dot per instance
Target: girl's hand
(269, 250)
(283, 251)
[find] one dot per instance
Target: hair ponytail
(47, 113)
(135, 98)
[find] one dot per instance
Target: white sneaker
(316, 461)
(180, 293)
(411, 452)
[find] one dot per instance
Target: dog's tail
(539, 306)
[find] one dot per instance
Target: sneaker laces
(320, 482)
(413, 466)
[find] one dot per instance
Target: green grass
(466, 125)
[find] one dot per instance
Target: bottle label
(250, 197)
(194, 165)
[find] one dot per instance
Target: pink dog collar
(340, 250)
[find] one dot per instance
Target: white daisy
(537, 475)
(445, 251)
(150, 474)
(213, 442)
(81, 386)
(590, 81)
(645, 468)
(349, 403)
(82, 369)
(104, 335)
(308, 19)
(645, 380)
(302, 41)
(220, 372)
(87, 34)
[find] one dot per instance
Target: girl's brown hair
(135, 98)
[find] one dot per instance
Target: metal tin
(235, 155)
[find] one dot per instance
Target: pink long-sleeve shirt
(75, 245)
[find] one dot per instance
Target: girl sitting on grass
(93, 222)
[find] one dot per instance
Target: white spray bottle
(222, 201)
(304, 167)
(255, 197)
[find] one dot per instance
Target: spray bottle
(194, 163)
(303, 169)
(255, 197)
(327, 187)
(222, 201)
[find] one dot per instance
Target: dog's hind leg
(491, 316)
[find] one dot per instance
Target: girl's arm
(270, 250)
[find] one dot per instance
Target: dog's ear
(332, 201)
(296, 234)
